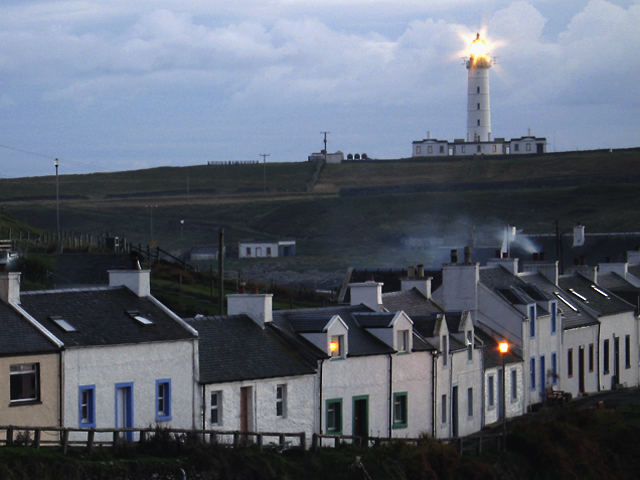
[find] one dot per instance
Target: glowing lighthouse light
(478, 102)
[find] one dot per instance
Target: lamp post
(503, 347)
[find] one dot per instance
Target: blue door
(124, 408)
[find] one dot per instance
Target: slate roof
(492, 357)
(233, 348)
(100, 316)
(374, 319)
(604, 305)
(412, 302)
(570, 317)
(18, 336)
(634, 270)
(495, 277)
(360, 342)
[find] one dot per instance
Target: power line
(27, 151)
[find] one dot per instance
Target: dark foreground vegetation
(554, 443)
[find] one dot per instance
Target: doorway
(124, 408)
(454, 411)
(361, 417)
(246, 409)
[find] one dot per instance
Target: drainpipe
(61, 392)
(204, 411)
(450, 355)
(598, 357)
(434, 390)
(391, 394)
(320, 403)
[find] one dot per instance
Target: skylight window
(600, 291)
(138, 317)
(581, 297)
(566, 302)
(63, 324)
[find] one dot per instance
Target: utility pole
(221, 271)
(58, 239)
(264, 171)
(325, 145)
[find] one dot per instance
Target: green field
(357, 213)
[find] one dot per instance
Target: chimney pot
(541, 256)
(411, 272)
(467, 254)
(420, 271)
(454, 256)
(535, 257)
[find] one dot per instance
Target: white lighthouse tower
(478, 100)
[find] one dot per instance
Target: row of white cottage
(398, 364)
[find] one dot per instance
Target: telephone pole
(264, 170)
(325, 145)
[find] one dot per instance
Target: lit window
(163, 400)
(216, 408)
(334, 416)
(403, 341)
(400, 416)
(336, 346)
(281, 401)
(87, 406)
(24, 382)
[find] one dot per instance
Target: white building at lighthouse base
(433, 147)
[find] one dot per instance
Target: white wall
(619, 325)
(301, 406)
(257, 249)
(574, 339)
(140, 364)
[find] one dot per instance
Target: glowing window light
(503, 347)
(335, 346)
(600, 291)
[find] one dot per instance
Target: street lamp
(503, 348)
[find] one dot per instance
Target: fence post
(65, 441)
(259, 440)
(281, 439)
(236, 439)
(9, 436)
(314, 441)
(336, 442)
(303, 440)
(143, 436)
(90, 438)
(36, 438)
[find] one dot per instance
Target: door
(124, 408)
(454, 411)
(361, 417)
(581, 369)
(246, 409)
(616, 361)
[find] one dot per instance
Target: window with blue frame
(532, 370)
(532, 320)
(163, 399)
(554, 317)
(543, 373)
(554, 369)
(87, 406)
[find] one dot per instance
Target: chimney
(510, 264)
(420, 271)
(10, 287)
(368, 293)
(467, 255)
(548, 270)
(454, 256)
(534, 257)
(138, 281)
(423, 285)
(258, 306)
(411, 272)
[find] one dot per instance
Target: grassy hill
(354, 213)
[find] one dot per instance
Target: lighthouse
(478, 100)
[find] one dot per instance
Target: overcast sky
(124, 84)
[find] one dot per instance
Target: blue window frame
(532, 320)
(554, 368)
(543, 373)
(554, 317)
(163, 399)
(87, 406)
(124, 407)
(532, 371)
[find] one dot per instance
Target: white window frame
(281, 400)
(216, 407)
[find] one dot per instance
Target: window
(417, 148)
(495, 148)
(627, 351)
(248, 252)
(444, 409)
(477, 89)
(24, 382)
(591, 357)
(528, 147)
(532, 320)
(268, 251)
(570, 363)
(514, 385)
(478, 107)
(258, 251)
(445, 350)
(469, 338)
(605, 356)
(430, 149)
(336, 346)
(462, 148)
(403, 341)
(479, 148)
(532, 371)
(281, 401)
(163, 399)
(554, 369)
(63, 324)
(470, 402)
(553, 317)
(543, 373)
(441, 149)
(478, 122)
(491, 393)
(400, 416)
(216, 408)
(87, 406)
(334, 416)
(516, 147)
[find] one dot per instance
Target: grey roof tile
(19, 336)
(605, 304)
(412, 302)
